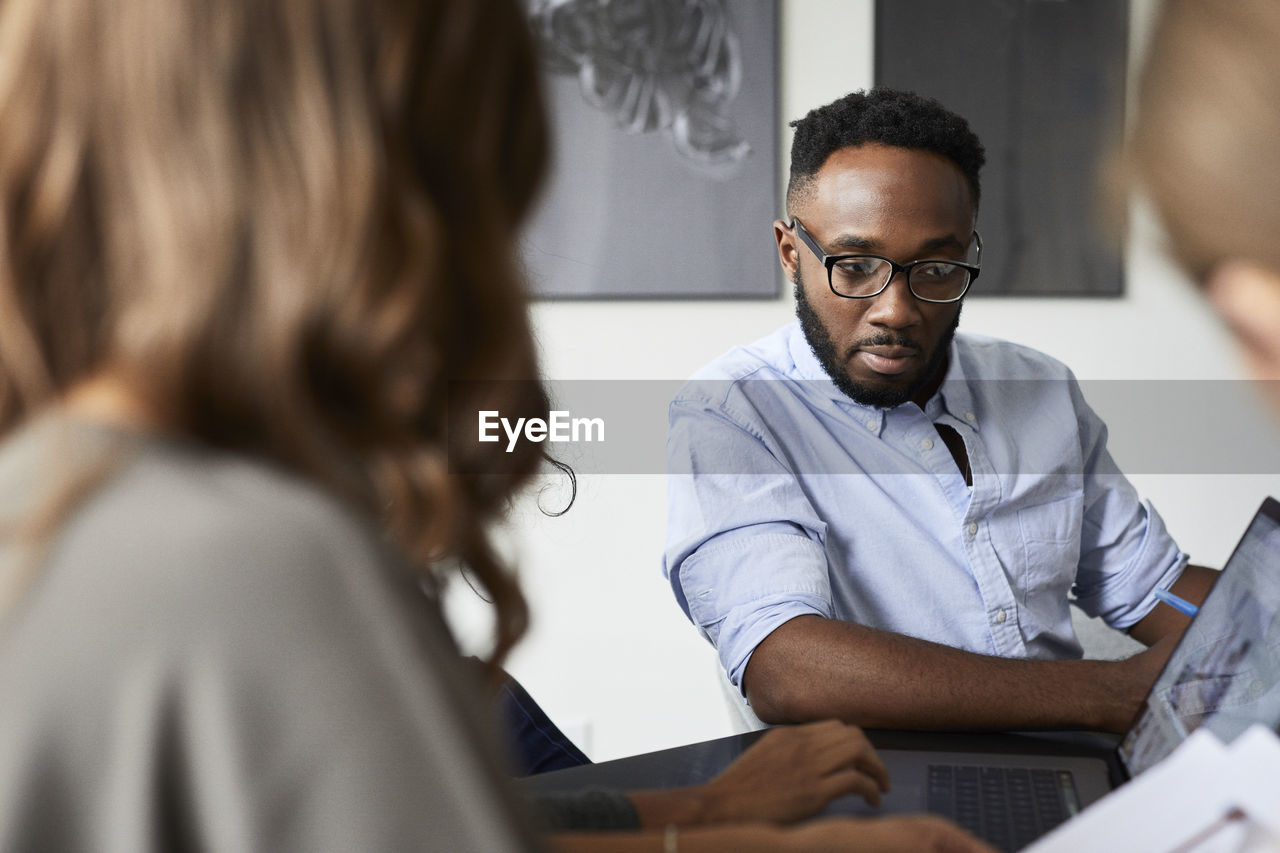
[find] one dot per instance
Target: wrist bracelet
(669, 844)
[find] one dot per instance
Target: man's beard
(879, 396)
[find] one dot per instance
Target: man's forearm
(812, 668)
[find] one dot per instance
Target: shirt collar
(808, 368)
(811, 373)
(954, 397)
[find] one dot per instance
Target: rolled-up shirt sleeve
(1126, 552)
(741, 587)
(745, 548)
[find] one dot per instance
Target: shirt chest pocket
(1051, 546)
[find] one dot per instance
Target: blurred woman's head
(1206, 150)
(283, 228)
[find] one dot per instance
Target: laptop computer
(1224, 676)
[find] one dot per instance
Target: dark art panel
(664, 180)
(1042, 83)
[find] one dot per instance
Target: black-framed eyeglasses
(862, 276)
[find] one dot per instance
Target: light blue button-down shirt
(787, 498)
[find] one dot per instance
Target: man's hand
(789, 774)
(1138, 673)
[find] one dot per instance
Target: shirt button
(927, 444)
(973, 529)
(1000, 617)
(871, 425)
(970, 417)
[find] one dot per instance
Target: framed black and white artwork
(664, 174)
(1042, 83)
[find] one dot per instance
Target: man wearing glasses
(874, 518)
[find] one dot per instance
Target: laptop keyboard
(1008, 807)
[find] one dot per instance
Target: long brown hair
(289, 226)
(1206, 146)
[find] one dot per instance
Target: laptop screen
(1225, 673)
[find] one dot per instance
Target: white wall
(610, 656)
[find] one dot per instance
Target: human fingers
(818, 747)
(913, 834)
(868, 760)
(937, 835)
(847, 782)
(843, 761)
(792, 772)
(847, 746)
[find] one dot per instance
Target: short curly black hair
(888, 117)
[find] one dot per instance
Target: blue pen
(1178, 604)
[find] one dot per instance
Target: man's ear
(1247, 296)
(788, 249)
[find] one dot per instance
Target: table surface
(695, 763)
